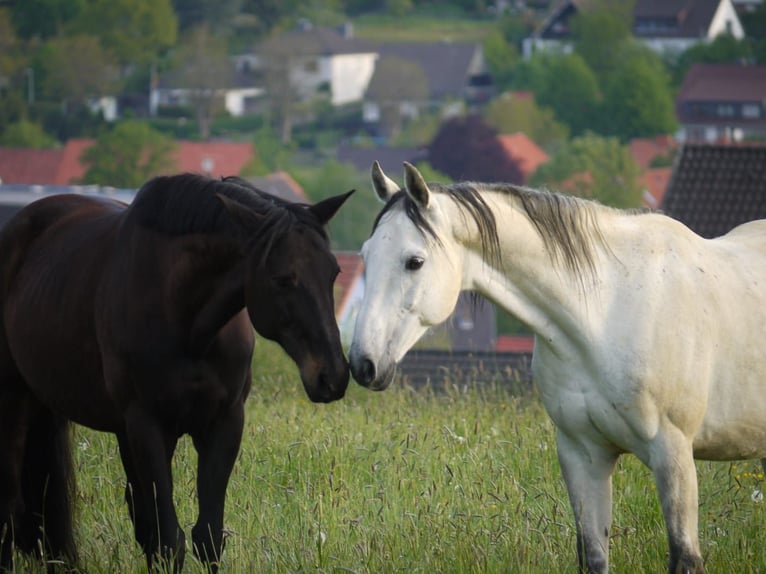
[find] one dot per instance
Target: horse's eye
(414, 263)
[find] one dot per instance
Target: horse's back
(52, 255)
(751, 233)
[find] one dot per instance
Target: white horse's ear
(415, 185)
(383, 185)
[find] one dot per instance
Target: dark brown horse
(136, 320)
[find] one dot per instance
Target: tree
(511, 113)
(465, 148)
(128, 155)
(724, 49)
(135, 32)
(26, 134)
(44, 18)
(593, 167)
(501, 57)
(75, 68)
(638, 100)
(204, 70)
(600, 30)
(395, 83)
(218, 15)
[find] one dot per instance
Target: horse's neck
(526, 282)
(209, 284)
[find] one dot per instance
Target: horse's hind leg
(48, 487)
(217, 450)
(13, 414)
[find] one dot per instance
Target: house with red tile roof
(524, 152)
(63, 166)
(653, 180)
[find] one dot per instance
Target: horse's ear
(244, 218)
(383, 185)
(415, 186)
(325, 209)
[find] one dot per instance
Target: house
(524, 152)
(240, 96)
(715, 187)
(63, 166)
(456, 73)
(391, 159)
(318, 59)
(722, 102)
(665, 26)
(281, 184)
(654, 156)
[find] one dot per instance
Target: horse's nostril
(368, 371)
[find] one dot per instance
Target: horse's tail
(48, 488)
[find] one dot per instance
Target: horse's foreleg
(217, 448)
(672, 463)
(150, 450)
(587, 469)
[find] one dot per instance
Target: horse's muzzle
(366, 374)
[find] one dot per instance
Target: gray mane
(567, 225)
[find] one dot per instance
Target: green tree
(638, 99)
(511, 113)
(74, 68)
(563, 83)
(128, 155)
(26, 134)
(593, 167)
(44, 18)
(204, 70)
(600, 30)
(270, 153)
(502, 57)
(135, 32)
(218, 15)
(725, 49)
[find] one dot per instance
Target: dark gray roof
(314, 41)
(390, 158)
(714, 188)
(446, 65)
(680, 18)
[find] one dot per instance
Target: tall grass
(462, 481)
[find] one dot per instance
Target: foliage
(725, 49)
(215, 14)
(203, 69)
(600, 31)
(396, 81)
(44, 18)
(128, 155)
(135, 32)
(270, 153)
(466, 148)
(502, 57)
(352, 225)
(26, 134)
(569, 87)
(74, 68)
(638, 100)
(510, 113)
(593, 167)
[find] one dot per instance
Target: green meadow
(405, 480)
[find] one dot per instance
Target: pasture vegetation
(461, 481)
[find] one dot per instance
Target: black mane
(189, 203)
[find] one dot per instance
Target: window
(751, 111)
(725, 110)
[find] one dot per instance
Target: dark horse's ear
(325, 209)
(243, 217)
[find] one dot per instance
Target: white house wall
(725, 18)
(350, 75)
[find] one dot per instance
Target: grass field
(401, 481)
